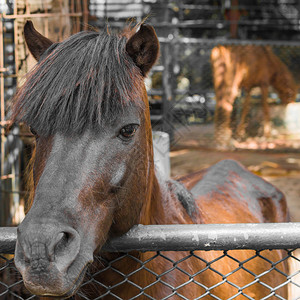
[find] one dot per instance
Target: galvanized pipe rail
(220, 41)
(191, 237)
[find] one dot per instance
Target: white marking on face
(118, 175)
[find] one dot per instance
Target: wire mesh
(175, 279)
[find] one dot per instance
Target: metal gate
(223, 242)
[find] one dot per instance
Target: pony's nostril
(59, 245)
(62, 241)
(66, 248)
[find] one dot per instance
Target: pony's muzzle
(46, 251)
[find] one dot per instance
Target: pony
(245, 67)
(94, 177)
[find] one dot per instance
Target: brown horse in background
(246, 67)
(94, 178)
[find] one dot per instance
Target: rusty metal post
(4, 202)
(85, 15)
(2, 104)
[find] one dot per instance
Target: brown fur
(35, 40)
(216, 206)
(245, 67)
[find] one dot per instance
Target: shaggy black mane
(86, 80)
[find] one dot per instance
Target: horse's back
(228, 193)
(248, 64)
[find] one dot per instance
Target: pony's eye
(128, 131)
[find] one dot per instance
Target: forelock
(84, 81)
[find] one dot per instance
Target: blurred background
(226, 84)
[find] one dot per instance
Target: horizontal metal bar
(41, 15)
(6, 122)
(220, 41)
(8, 237)
(208, 237)
(9, 176)
(12, 192)
(192, 237)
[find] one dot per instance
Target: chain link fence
(225, 270)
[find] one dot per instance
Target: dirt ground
(280, 168)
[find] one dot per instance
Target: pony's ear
(37, 43)
(143, 48)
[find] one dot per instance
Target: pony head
(86, 104)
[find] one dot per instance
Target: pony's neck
(162, 205)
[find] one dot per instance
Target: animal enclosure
(187, 99)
